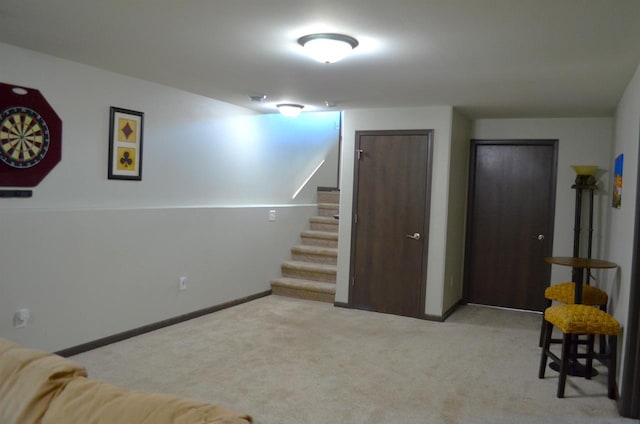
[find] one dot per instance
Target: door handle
(540, 237)
(414, 236)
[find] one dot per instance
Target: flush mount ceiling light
(328, 48)
(290, 110)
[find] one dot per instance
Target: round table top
(579, 262)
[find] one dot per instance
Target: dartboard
(24, 137)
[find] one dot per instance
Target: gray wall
(456, 220)
(91, 257)
(620, 223)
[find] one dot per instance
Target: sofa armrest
(88, 401)
(29, 380)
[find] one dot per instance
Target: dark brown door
(390, 230)
(510, 222)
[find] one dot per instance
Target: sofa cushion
(87, 401)
(29, 380)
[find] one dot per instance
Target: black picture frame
(126, 130)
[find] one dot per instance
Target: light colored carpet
(286, 360)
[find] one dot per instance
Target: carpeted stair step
(309, 271)
(316, 254)
(331, 196)
(319, 238)
(304, 289)
(324, 223)
(311, 274)
(328, 209)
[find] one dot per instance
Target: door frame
(472, 183)
(427, 209)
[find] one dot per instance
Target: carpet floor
(286, 360)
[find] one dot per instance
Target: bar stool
(574, 321)
(566, 293)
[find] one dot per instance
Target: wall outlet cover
(21, 317)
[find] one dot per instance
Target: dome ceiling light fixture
(290, 110)
(327, 47)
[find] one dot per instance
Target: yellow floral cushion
(581, 319)
(565, 293)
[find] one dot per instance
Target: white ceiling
(490, 58)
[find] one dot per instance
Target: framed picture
(617, 182)
(125, 144)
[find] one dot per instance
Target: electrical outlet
(272, 215)
(21, 317)
(182, 283)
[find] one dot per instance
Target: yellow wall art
(125, 144)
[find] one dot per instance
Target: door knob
(414, 236)
(540, 236)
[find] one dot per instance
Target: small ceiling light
(328, 48)
(290, 110)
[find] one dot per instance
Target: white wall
(621, 221)
(436, 118)
(92, 257)
(580, 141)
(90, 273)
(457, 214)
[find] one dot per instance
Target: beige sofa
(42, 388)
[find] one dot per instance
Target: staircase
(311, 272)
